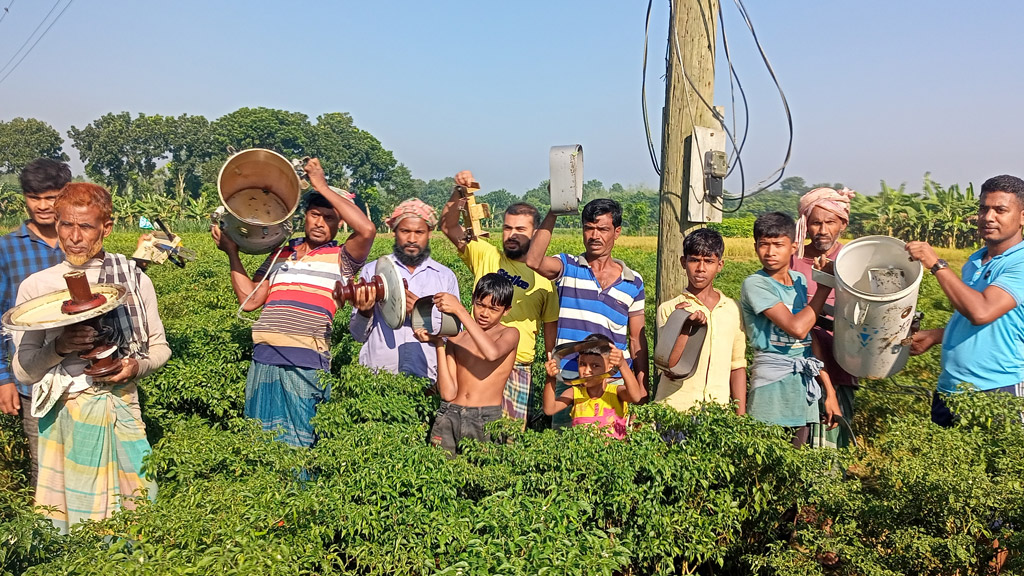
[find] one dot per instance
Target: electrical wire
(27, 52)
(643, 96)
(7, 11)
(715, 113)
(775, 176)
(785, 104)
(737, 151)
(734, 83)
(27, 40)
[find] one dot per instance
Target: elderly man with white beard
(91, 439)
(824, 216)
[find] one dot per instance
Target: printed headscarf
(413, 207)
(835, 201)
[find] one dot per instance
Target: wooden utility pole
(691, 40)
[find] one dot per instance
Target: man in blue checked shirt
(27, 250)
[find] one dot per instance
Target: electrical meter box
(708, 166)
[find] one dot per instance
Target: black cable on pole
(643, 96)
(27, 52)
(785, 104)
(734, 82)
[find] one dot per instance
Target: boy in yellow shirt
(721, 374)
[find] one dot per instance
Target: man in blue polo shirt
(597, 294)
(982, 343)
(28, 249)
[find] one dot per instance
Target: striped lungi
(284, 399)
(91, 447)
(515, 400)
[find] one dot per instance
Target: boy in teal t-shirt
(786, 379)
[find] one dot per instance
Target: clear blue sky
(878, 90)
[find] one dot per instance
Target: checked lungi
(284, 399)
(91, 446)
(515, 399)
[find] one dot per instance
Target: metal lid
(425, 315)
(392, 306)
(687, 364)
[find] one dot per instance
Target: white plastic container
(876, 288)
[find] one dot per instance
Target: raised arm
(638, 350)
(360, 242)
(491, 349)
(452, 210)
(978, 307)
(799, 325)
(240, 281)
(549, 267)
(553, 403)
(631, 391)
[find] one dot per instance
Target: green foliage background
(697, 492)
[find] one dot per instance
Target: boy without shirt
(473, 365)
(784, 376)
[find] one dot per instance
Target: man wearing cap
(398, 350)
(534, 301)
(295, 287)
(824, 216)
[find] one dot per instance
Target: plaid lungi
(284, 399)
(515, 399)
(91, 447)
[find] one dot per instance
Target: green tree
(117, 150)
(434, 192)
(794, 185)
(636, 215)
(951, 214)
(499, 200)
(539, 197)
(591, 189)
(190, 144)
(25, 139)
(351, 155)
(892, 212)
(288, 133)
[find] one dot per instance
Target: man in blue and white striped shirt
(28, 249)
(597, 294)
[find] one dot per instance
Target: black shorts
(453, 423)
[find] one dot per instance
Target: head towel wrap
(835, 201)
(413, 207)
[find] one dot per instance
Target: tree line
(167, 166)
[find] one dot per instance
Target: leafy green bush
(703, 491)
(735, 227)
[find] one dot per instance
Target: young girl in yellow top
(599, 399)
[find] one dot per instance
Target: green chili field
(701, 492)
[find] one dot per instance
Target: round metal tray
(43, 312)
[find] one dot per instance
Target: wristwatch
(939, 265)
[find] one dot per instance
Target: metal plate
(43, 312)
(392, 306)
(569, 348)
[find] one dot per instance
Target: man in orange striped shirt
(294, 287)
